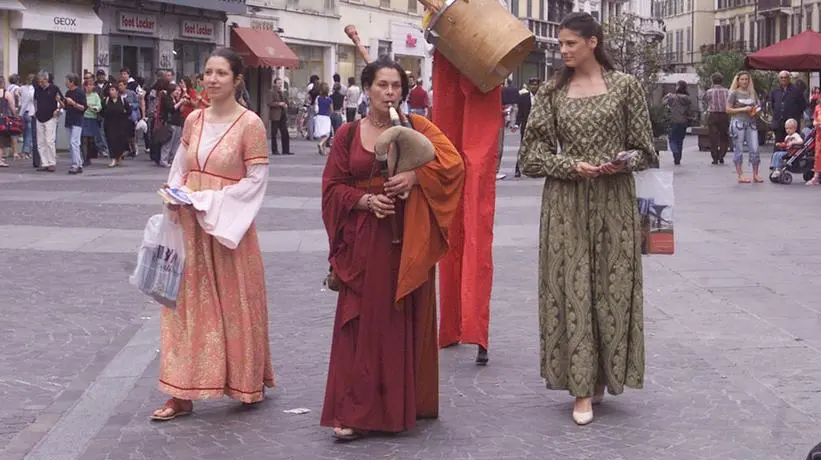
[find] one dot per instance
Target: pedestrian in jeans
(27, 111)
(718, 122)
(681, 112)
(48, 101)
(75, 102)
(743, 105)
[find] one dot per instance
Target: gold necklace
(379, 124)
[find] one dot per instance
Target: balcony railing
(545, 31)
(737, 45)
(772, 6)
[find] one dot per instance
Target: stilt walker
(467, 107)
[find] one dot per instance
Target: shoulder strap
(351, 133)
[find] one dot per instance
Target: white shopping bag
(656, 202)
(160, 261)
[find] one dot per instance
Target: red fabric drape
(471, 120)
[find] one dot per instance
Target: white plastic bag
(160, 261)
(656, 201)
(141, 127)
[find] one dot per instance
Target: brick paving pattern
(733, 350)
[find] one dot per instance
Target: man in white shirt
(352, 96)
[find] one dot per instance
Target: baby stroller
(801, 163)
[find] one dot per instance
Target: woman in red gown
(383, 371)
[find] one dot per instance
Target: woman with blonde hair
(743, 106)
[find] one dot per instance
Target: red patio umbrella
(801, 53)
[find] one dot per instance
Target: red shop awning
(800, 53)
(262, 48)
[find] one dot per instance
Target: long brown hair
(587, 27)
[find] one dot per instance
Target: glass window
(190, 58)
(56, 53)
(412, 8)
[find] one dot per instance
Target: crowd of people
(734, 120)
(328, 105)
(112, 117)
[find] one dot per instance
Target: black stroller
(801, 163)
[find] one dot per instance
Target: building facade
(173, 35)
(689, 26)
(314, 31)
(542, 17)
(748, 25)
(49, 35)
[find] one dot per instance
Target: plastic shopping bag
(656, 201)
(160, 261)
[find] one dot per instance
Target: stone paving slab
(731, 321)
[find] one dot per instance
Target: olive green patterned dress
(590, 275)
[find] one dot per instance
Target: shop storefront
(408, 45)
(264, 55)
(157, 37)
(311, 62)
(534, 66)
(55, 37)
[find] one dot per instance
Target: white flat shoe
(582, 418)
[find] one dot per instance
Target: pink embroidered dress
(216, 340)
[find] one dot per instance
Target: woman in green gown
(590, 274)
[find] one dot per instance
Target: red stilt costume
(471, 120)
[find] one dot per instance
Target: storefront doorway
(54, 52)
(137, 54)
(411, 64)
(311, 62)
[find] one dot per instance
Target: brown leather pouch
(332, 281)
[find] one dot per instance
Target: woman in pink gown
(215, 342)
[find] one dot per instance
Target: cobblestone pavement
(732, 323)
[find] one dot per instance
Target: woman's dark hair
(586, 27)
(160, 85)
(189, 85)
(384, 62)
(234, 60)
(681, 87)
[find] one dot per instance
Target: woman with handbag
(116, 112)
(9, 123)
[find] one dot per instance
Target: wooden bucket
(481, 38)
